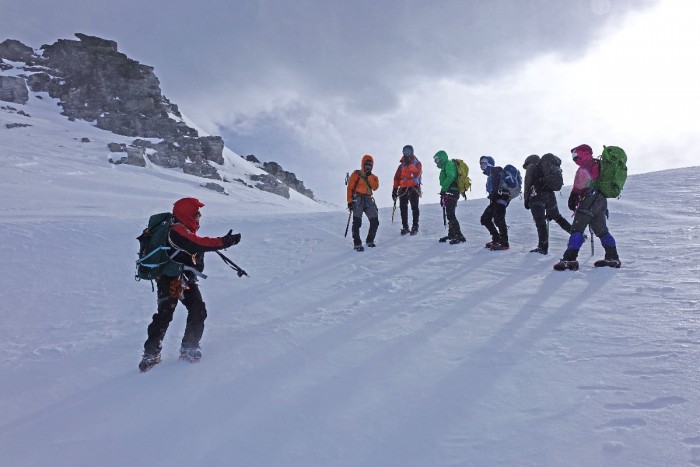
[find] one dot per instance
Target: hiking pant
(167, 301)
(366, 205)
(592, 210)
(543, 206)
(407, 195)
(453, 227)
(494, 219)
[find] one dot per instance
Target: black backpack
(550, 170)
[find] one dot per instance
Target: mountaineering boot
(370, 244)
(568, 261)
(149, 361)
(611, 259)
(499, 246)
(359, 248)
(191, 354)
(414, 230)
(563, 265)
(611, 263)
(444, 239)
(542, 248)
(405, 231)
(458, 239)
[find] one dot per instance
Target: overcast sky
(316, 84)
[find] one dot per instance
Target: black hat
(408, 150)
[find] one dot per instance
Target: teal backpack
(155, 252)
(613, 171)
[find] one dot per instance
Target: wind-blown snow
(414, 353)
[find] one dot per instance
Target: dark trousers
(453, 228)
(543, 206)
(592, 210)
(409, 195)
(167, 301)
(494, 219)
(364, 205)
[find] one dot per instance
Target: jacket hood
(533, 159)
(366, 158)
(442, 158)
(584, 154)
(490, 163)
(184, 211)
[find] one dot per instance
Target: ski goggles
(436, 159)
(483, 164)
(574, 154)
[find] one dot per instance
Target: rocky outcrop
(134, 156)
(280, 175)
(288, 178)
(93, 81)
(267, 182)
(13, 89)
(15, 51)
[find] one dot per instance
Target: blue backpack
(511, 181)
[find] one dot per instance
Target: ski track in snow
(414, 353)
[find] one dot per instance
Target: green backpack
(155, 252)
(613, 171)
(464, 183)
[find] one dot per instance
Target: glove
(572, 202)
(527, 204)
(230, 239)
(394, 194)
(351, 205)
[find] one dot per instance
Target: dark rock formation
(15, 51)
(216, 187)
(16, 125)
(95, 82)
(134, 156)
(267, 182)
(288, 178)
(13, 89)
(281, 175)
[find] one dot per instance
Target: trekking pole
(232, 265)
(393, 210)
(347, 226)
(444, 215)
(590, 232)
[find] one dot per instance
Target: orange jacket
(356, 183)
(408, 175)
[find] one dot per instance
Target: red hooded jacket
(183, 234)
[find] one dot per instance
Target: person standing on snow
(183, 237)
(542, 203)
(449, 195)
(494, 216)
(590, 208)
(361, 185)
(407, 181)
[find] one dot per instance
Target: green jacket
(448, 173)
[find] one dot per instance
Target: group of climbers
(542, 178)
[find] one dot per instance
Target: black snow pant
(543, 206)
(168, 288)
(454, 231)
(406, 196)
(494, 219)
(366, 205)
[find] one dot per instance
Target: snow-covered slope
(410, 354)
(47, 168)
